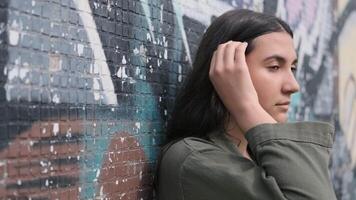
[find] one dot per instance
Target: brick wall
(86, 87)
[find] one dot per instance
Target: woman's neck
(238, 137)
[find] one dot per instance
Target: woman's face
(272, 63)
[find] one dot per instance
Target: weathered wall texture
(86, 87)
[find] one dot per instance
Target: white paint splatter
(158, 41)
(123, 61)
(69, 133)
(122, 195)
(110, 160)
(13, 73)
(158, 62)
(165, 54)
(121, 73)
(55, 128)
(80, 49)
(15, 24)
(143, 77)
(25, 64)
(165, 42)
(136, 51)
(44, 171)
(14, 37)
(137, 71)
(55, 99)
(138, 125)
(140, 175)
(148, 37)
(101, 190)
(98, 173)
(19, 182)
(96, 5)
(43, 163)
(108, 7)
(161, 13)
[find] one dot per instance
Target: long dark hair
(198, 109)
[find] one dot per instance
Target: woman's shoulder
(193, 144)
(176, 152)
(180, 157)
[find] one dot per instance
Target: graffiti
(87, 87)
(72, 143)
(347, 87)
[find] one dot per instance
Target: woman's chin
(281, 117)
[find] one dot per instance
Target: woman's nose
(290, 84)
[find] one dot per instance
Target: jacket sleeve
(291, 164)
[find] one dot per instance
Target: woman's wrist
(252, 115)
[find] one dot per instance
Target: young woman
(228, 135)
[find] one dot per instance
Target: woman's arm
(292, 164)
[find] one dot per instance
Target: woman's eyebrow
(280, 59)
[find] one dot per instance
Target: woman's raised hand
(231, 79)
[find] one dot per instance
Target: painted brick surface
(86, 87)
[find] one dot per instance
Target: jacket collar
(219, 138)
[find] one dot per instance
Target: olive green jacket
(290, 161)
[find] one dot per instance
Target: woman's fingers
(229, 55)
(240, 58)
(219, 62)
(223, 58)
(226, 56)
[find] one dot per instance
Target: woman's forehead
(274, 45)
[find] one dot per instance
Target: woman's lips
(284, 105)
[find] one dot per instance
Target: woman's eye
(274, 68)
(294, 70)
